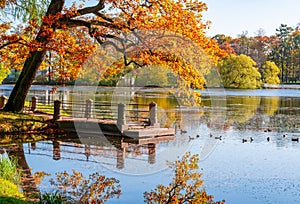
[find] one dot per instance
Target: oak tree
(108, 22)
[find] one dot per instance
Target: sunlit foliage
(270, 73)
(96, 189)
(3, 72)
(240, 72)
(186, 185)
(67, 32)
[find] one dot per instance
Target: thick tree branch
(13, 42)
(101, 15)
(8, 43)
(92, 9)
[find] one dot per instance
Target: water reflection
(28, 184)
(115, 150)
(232, 169)
(269, 105)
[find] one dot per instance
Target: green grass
(8, 170)
(20, 123)
(12, 200)
(10, 177)
(53, 198)
(46, 109)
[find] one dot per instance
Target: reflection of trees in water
(269, 105)
(253, 112)
(166, 107)
(289, 105)
(277, 122)
(27, 183)
(278, 113)
(289, 123)
(242, 108)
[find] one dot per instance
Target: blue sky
(232, 17)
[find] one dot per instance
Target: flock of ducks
(244, 140)
(284, 136)
(198, 136)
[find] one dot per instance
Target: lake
(236, 168)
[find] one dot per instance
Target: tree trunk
(18, 95)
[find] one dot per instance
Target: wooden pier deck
(96, 126)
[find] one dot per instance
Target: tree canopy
(239, 72)
(71, 34)
(282, 48)
(270, 73)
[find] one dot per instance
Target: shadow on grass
(11, 200)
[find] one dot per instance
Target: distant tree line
(281, 50)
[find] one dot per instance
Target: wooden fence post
(121, 122)
(56, 150)
(153, 115)
(34, 101)
(57, 109)
(88, 108)
(151, 153)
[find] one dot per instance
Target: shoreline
(264, 86)
(281, 86)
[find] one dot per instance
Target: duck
(268, 139)
(183, 131)
(218, 138)
(191, 138)
(244, 140)
(251, 139)
(197, 136)
(285, 135)
(268, 130)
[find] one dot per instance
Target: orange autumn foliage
(72, 45)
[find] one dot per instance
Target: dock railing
(123, 114)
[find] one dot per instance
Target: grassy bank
(11, 123)
(16, 128)
(9, 180)
(45, 109)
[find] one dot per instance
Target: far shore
(281, 86)
(264, 86)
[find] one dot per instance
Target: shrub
(9, 189)
(8, 170)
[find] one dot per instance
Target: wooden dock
(149, 132)
(89, 123)
(96, 126)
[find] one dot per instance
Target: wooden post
(151, 153)
(121, 158)
(34, 101)
(153, 115)
(88, 108)
(56, 150)
(3, 100)
(121, 122)
(57, 108)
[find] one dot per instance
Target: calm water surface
(240, 172)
